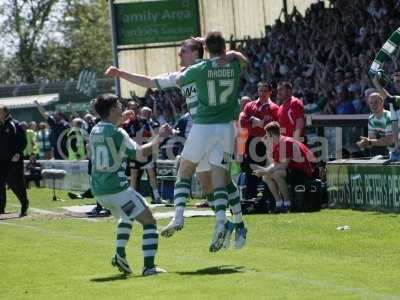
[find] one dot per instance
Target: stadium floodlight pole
(114, 44)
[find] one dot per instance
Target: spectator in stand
(133, 106)
(380, 133)
(290, 159)
(255, 116)
(290, 113)
(344, 103)
(43, 141)
(33, 126)
(306, 50)
(90, 122)
(59, 128)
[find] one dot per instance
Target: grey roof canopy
(28, 101)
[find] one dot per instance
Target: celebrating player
(110, 147)
(190, 53)
(216, 82)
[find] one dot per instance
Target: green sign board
(74, 107)
(364, 187)
(156, 21)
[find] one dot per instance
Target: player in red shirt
(290, 158)
(291, 112)
(255, 116)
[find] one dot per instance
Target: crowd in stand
(325, 54)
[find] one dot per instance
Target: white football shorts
(210, 143)
(127, 204)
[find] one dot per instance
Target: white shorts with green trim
(127, 204)
(210, 144)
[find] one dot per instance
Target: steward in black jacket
(13, 143)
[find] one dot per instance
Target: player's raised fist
(112, 71)
(165, 130)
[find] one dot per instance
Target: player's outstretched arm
(243, 60)
(138, 79)
(149, 148)
(41, 110)
(380, 88)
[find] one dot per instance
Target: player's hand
(363, 143)
(165, 130)
(15, 158)
(200, 39)
(232, 55)
(256, 122)
(175, 132)
(112, 72)
(259, 171)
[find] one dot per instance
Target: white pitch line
(50, 212)
(327, 285)
(57, 233)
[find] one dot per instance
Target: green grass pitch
(288, 256)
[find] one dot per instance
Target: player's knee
(267, 177)
(278, 175)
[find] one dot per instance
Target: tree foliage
(54, 39)
(23, 25)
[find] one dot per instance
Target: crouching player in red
(110, 148)
(290, 158)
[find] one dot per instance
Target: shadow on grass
(111, 278)
(217, 270)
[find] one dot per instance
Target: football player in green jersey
(216, 82)
(191, 52)
(110, 147)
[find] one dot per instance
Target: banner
(156, 21)
(87, 83)
(364, 187)
(74, 107)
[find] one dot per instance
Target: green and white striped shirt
(380, 127)
(386, 51)
(189, 91)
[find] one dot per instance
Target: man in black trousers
(13, 140)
